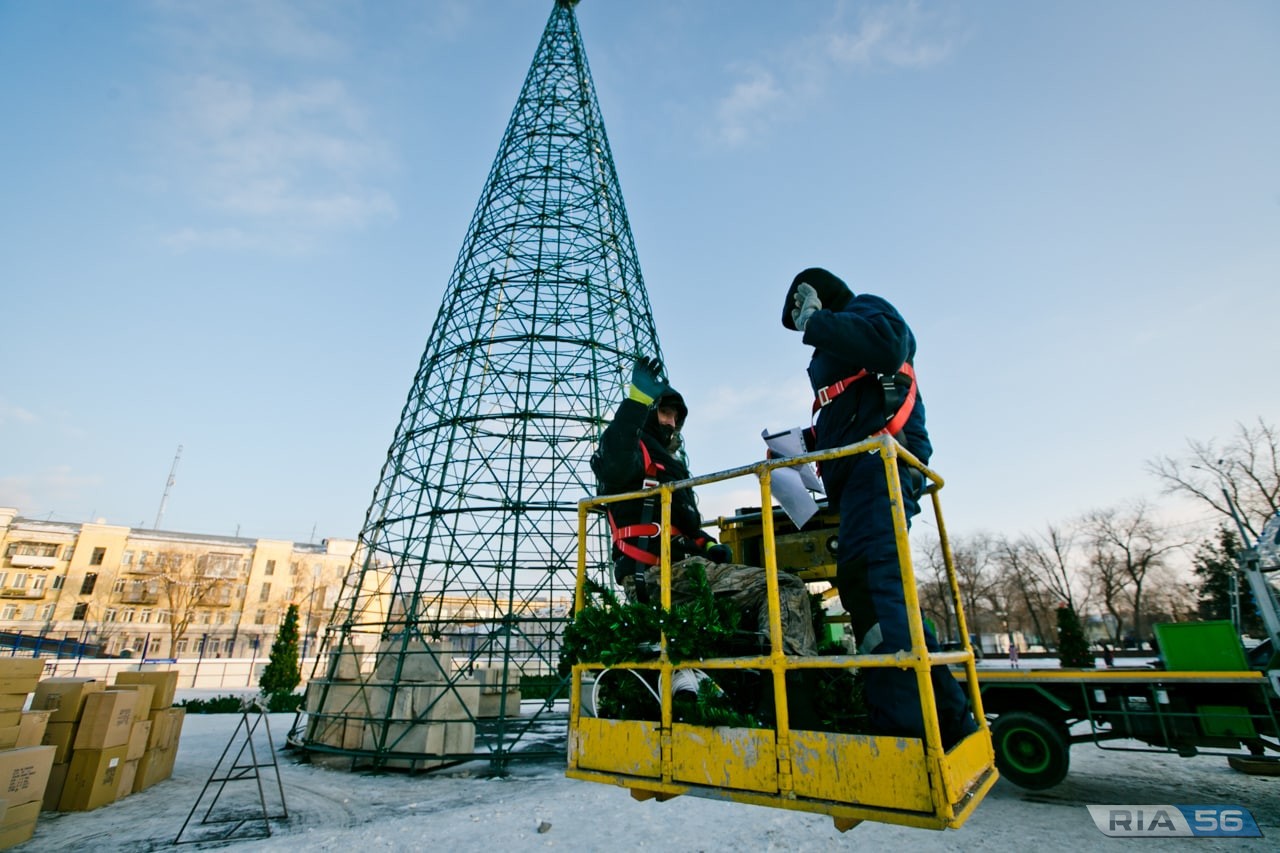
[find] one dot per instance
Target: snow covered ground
(463, 810)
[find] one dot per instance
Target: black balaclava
(833, 292)
(668, 437)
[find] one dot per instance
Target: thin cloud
(292, 155)
(888, 36)
(9, 413)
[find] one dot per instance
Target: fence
(206, 673)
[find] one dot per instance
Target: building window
(260, 618)
(99, 554)
(222, 618)
(59, 581)
(90, 581)
(162, 618)
(265, 595)
(68, 553)
(126, 559)
(271, 567)
(144, 558)
(46, 613)
(145, 616)
(20, 580)
(109, 615)
(182, 647)
(9, 611)
(29, 613)
(118, 586)
(39, 581)
(293, 568)
(4, 578)
(137, 644)
(127, 614)
(79, 613)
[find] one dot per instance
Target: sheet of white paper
(793, 497)
(792, 486)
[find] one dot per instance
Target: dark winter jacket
(619, 467)
(867, 333)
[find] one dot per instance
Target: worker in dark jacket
(641, 448)
(862, 373)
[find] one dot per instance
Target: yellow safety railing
(846, 776)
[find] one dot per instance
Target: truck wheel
(1031, 752)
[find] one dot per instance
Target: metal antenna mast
(164, 499)
(463, 578)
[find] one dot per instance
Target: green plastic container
(1201, 647)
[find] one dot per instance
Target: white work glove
(806, 302)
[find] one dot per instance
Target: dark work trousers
(869, 580)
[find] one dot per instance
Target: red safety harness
(893, 424)
(646, 527)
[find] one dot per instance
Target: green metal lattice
(463, 578)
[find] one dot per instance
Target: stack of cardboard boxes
(109, 741)
(24, 764)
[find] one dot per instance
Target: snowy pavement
(457, 811)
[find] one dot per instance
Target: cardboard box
(13, 701)
(60, 736)
(92, 778)
(20, 675)
(14, 835)
(164, 681)
(53, 790)
(127, 777)
(166, 727)
(154, 766)
(107, 720)
(138, 737)
(24, 773)
(31, 727)
(179, 716)
(16, 815)
(9, 737)
(10, 718)
(145, 694)
(65, 697)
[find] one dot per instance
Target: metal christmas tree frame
(463, 578)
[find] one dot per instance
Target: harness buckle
(824, 399)
(649, 484)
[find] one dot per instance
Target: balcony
(18, 592)
(32, 561)
(139, 596)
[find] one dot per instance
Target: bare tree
(1049, 556)
(1025, 593)
(187, 582)
(1126, 548)
(978, 576)
(935, 590)
(1247, 467)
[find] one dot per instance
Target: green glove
(807, 304)
(647, 383)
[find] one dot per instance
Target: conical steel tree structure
(464, 574)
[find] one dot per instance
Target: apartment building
(163, 594)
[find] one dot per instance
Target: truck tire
(1031, 752)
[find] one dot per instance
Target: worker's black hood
(668, 437)
(833, 292)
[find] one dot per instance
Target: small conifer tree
(281, 674)
(1073, 648)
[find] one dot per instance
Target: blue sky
(229, 226)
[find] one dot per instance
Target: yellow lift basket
(852, 777)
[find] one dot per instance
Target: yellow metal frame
(853, 778)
